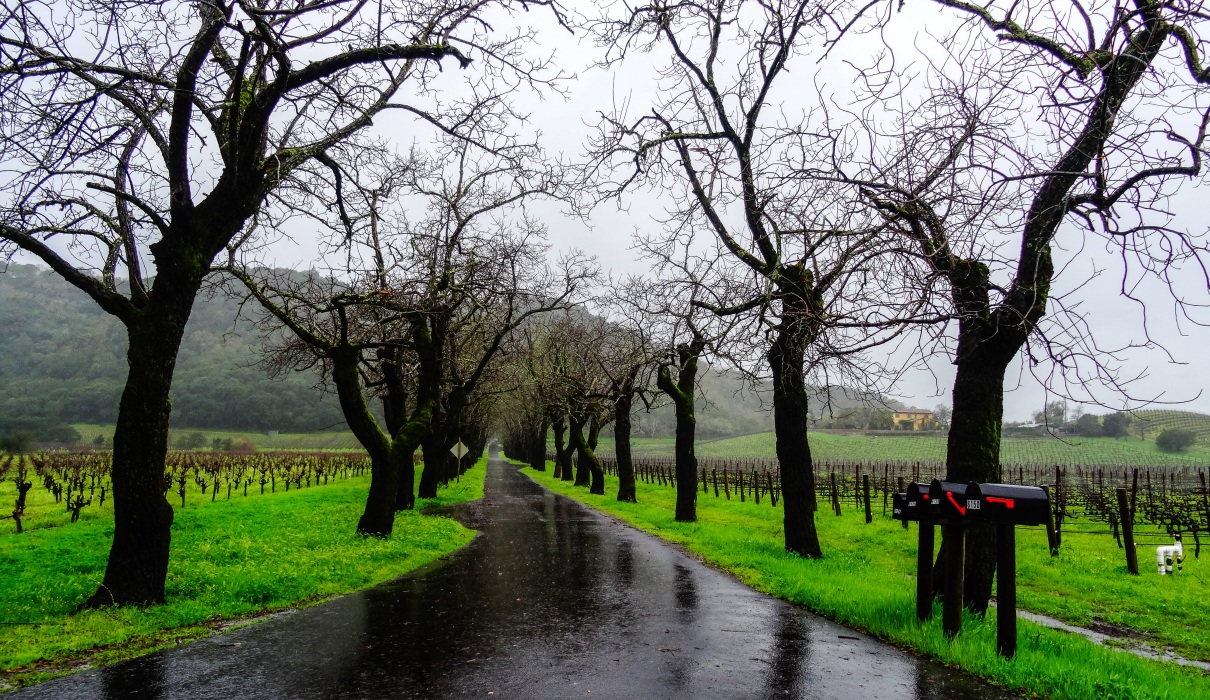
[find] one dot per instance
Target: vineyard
(841, 447)
(58, 488)
(1162, 502)
(1152, 423)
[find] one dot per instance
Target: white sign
(459, 450)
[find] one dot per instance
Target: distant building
(914, 419)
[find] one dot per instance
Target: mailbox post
(1006, 506)
(952, 506)
(947, 503)
(911, 506)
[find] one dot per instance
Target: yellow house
(918, 419)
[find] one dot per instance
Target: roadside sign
(459, 450)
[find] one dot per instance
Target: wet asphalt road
(552, 600)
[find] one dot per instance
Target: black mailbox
(947, 501)
(1006, 504)
(899, 507)
(910, 505)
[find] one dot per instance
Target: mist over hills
(62, 360)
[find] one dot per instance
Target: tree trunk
(594, 431)
(973, 454)
(686, 463)
(682, 394)
(378, 517)
(589, 471)
(537, 447)
(430, 474)
(403, 455)
(562, 450)
(621, 438)
(434, 331)
(786, 358)
(405, 495)
(138, 557)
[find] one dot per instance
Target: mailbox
(1006, 504)
(910, 505)
(947, 501)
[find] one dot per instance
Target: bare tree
(679, 333)
(980, 195)
(145, 136)
(628, 359)
(800, 252)
(448, 288)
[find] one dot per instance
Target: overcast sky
(1174, 376)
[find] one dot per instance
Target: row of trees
(927, 203)
(162, 141)
(805, 233)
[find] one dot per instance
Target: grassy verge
(866, 581)
(230, 560)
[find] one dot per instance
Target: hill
(1151, 423)
(62, 360)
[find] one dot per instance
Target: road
(551, 600)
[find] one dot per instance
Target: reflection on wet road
(551, 601)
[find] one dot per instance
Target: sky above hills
(1163, 347)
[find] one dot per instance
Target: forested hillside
(62, 360)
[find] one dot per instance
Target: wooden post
(835, 495)
(1006, 590)
(886, 487)
(1205, 495)
(714, 477)
(924, 570)
(705, 484)
(1132, 556)
(900, 489)
(954, 539)
(1134, 493)
(739, 480)
(726, 485)
(865, 489)
(1051, 539)
(772, 495)
(1060, 501)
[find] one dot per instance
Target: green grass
(230, 560)
(327, 440)
(866, 580)
(836, 447)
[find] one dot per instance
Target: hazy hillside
(727, 406)
(1152, 423)
(62, 360)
